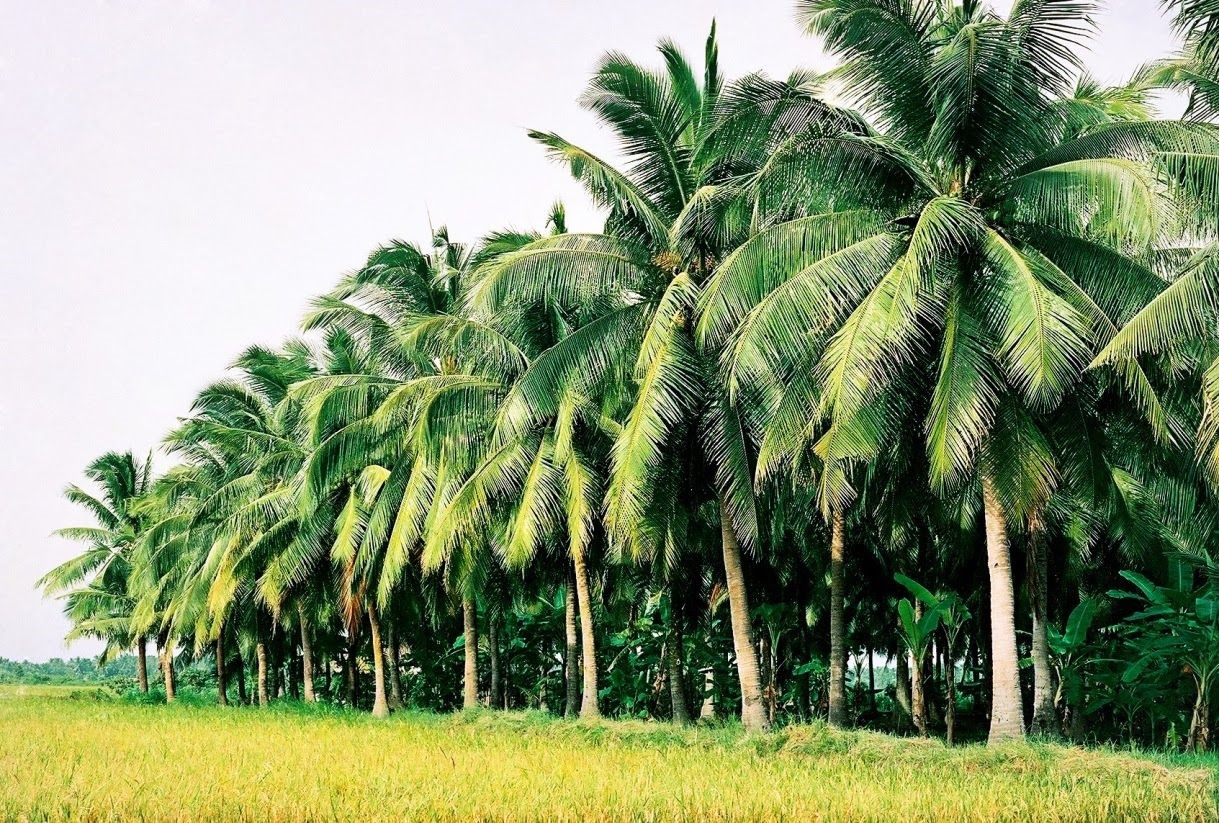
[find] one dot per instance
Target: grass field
(67, 754)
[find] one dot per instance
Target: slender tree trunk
(871, 682)
(141, 660)
(676, 672)
(753, 713)
(351, 674)
(493, 696)
(918, 700)
(469, 615)
(571, 658)
(260, 651)
(1044, 721)
(1200, 723)
(395, 675)
(306, 655)
(380, 707)
(838, 655)
(707, 711)
(222, 681)
(1006, 710)
(950, 692)
(588, 707)
(171, 685)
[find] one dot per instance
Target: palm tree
(975, 218)
(669, 223)
(95, 584)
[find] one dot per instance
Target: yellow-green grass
(82, 757)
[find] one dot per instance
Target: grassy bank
(66, 757)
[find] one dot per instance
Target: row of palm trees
(953, 294)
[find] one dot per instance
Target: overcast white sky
(177, 179)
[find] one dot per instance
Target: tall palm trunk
(588, 707)
(469, 615)
(918, 695)
(571, 658)
(1006, 711)
(950, 693)
(677, 678)
(306, 655)
(380, 707)
(222, 681)
(395, 676)
(1044, 721)
(493, 696)
(141, 651)
(838, 654)
(165, 660)
(260, 652)
(753, 713)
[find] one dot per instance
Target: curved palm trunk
(380, 707)
(571, 656)
(753, 712)
(838, 655)
(1006, 711)
(588, 707)
(395, 676)
(141, 652)
(469, 614)
(1044, 720)
(306, 655)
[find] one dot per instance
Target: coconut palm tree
(95, 583)
(975, 218)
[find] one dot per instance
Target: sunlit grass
(65, 757)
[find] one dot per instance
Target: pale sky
(178, 179)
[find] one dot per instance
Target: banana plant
(918, 620)
(1178, 626)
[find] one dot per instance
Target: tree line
(914, 360)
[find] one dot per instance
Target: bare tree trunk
(141, 652)
(571, 658)
(838, 656)
(306, 655)
(493, 697)
(222, 681)
(165, 659)
(260, 651)
(918, 697)
(753, 713)
(950, 694)
(707, 712)
(351, 674)
(171, 686)
(1006, 710)
(677, 679)
(394, 673)
(588, 706)
(1044, 720)
(469, 616)
(380, 708)
(871, 681)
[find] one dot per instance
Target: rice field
(78, 755)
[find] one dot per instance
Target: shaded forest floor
(76, 754)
